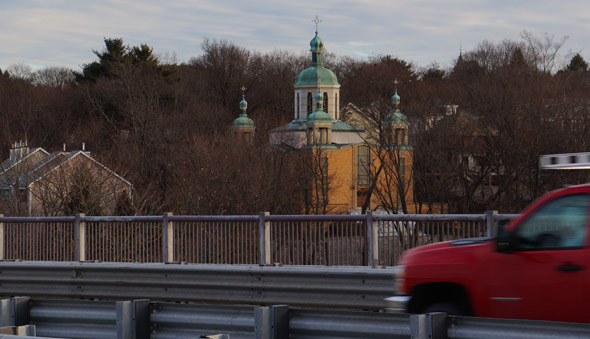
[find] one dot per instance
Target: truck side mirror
(506, 241)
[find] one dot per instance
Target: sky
(46, 33)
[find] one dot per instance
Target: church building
(349, 168)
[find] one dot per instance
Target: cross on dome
(317, 22)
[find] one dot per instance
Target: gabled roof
(42, 167)
(10, 173)
(9, 163)
(58, 159)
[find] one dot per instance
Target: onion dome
(396, 117)
(319, 116)
(396, 100)
(243, 121)
(317, 73)
(316, 44)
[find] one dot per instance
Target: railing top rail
(429, 217)
(36, 219)
(142, 218)
(308, 217)
(214, 218)
(256, 218)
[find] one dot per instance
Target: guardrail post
(2, 240)
(15, 311)
(167, 238)
(264, 239)
(372, 241)
(428, 326)
(80, 229)
(492, 223)
(133, 319)
(271, 322)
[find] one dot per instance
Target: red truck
(538, 267)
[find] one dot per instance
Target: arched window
(298, 116)
(325, 102)
(309, 103)
(363, 163)
(336, 112)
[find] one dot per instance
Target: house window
(362, 165)
(325, 102)
(298, 112)
(5, 194)
(309, 103)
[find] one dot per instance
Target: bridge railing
(343, 240)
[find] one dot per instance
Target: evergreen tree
(577, 64)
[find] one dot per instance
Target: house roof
(58, 159)
(42, 166)
(10, 162)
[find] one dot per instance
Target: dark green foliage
(577, 64)
(115, 55)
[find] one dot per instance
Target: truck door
(549, 268)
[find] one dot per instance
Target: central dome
(317, 75)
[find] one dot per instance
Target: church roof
(340, 126)
(317, 75)
(293, 126)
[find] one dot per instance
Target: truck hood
(446, 249)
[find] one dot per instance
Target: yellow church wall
(341, 173)
(408, 178)
(342, 177)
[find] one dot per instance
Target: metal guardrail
(336, 324)
(190, 321)
(309, 286)
(128, 320)
(74, 318)
(351, 240)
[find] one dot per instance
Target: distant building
(35, 182)
(352, 157)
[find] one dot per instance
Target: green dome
(319, 116)
(243, 122)
(396, 117)
(317, 75)
(395, 98)
(316, 44)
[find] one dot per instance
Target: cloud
(64, 33)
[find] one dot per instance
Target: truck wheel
(449, 308)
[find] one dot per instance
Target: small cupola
(396, 124)
(319, 124)
(243, 125)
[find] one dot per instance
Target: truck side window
(559, 224)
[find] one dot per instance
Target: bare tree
(53, 77)
(543, 52)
